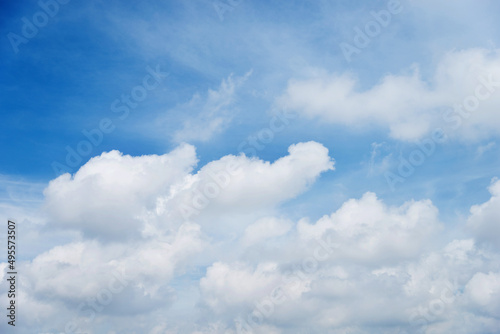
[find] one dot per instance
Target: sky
(243, 166)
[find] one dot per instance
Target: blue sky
(225, 72)
(66, 77)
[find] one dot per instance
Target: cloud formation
(484, 218)
(461, 96)
(364, 267)
(281, 238)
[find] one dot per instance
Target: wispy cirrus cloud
(209, 115)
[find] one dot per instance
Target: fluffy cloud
(283, 179)
(378, 265)
(133, 242)
(462, 97)
(116, 196)
(367, 230)
(232, 187)
(228, 285)
(484, 220)
(265, 228)
(366, 267)
(484, 291)
(431, 293)
(89, 270)
(105, 196)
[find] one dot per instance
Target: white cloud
(85, 268)
(417, 295)
(409, 106)
(229, 191)
(265, 228)
(113, 193)
(484, 291)
(283, 179)
(381, 266)
(368, 230)
(390, 267)
(484, 218)
(105, 197)
(228, 285)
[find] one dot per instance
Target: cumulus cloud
(368, 230)
(228, 285)
(233, 185)
(484, 291)
(265, 228)
(462, 97)
(484, 221)
(124, 207)
(117, 197)
(283, 179)
(106, 196)
(120, 278)
(421, 295)
(365, 267)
